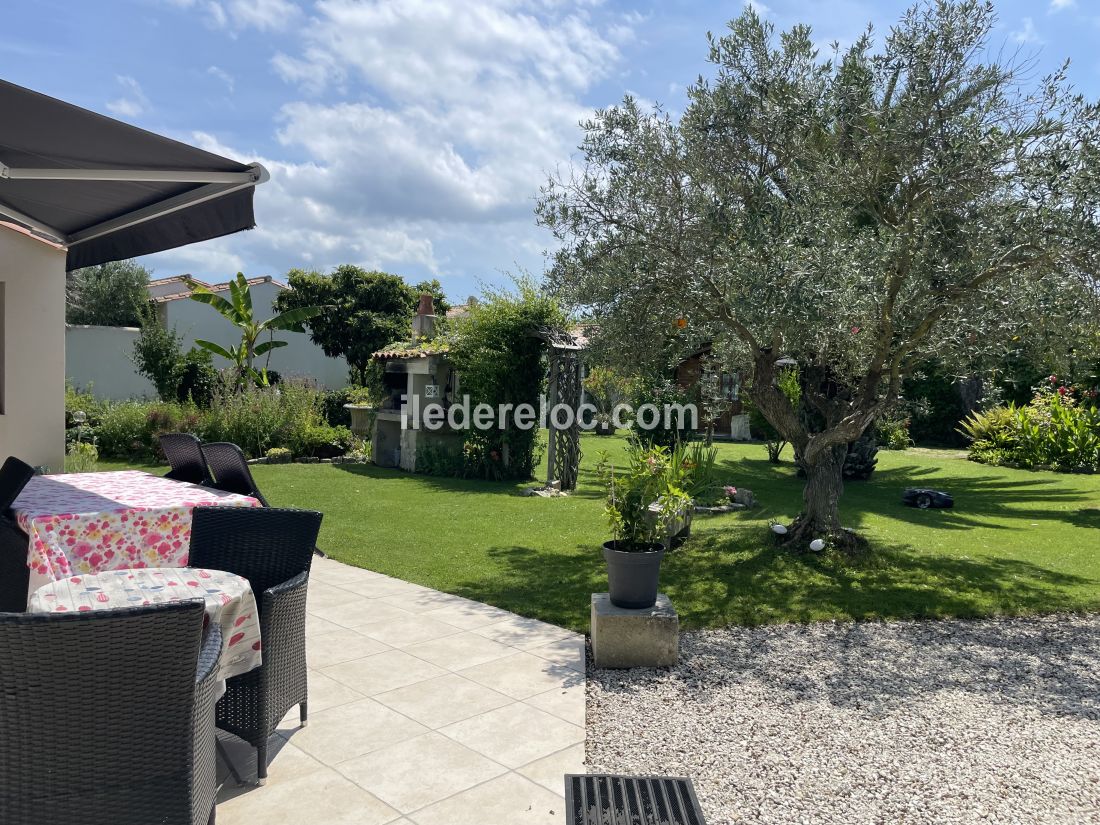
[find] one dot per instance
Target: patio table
(228, 597)
(82, 523)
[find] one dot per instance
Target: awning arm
(256, 175)
(129, 175)
(39, 228)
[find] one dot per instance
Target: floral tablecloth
(229, 602)
(90, 522)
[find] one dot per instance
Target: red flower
(1061, 390)
(855, 330)
(1053, 379)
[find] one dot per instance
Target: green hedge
(290, 416)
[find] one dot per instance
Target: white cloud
(760, 8)
(421, 133)
(1059, 5)
(133, 101)
(1027, 33)
(222, 75)
(265, 15)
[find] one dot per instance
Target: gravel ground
(993, 721)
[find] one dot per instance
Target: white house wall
(97, 360)
(301, 357)
(32, 346)
(99, 357)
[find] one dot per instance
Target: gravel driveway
(993, 721)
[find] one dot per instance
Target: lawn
(1017, 542)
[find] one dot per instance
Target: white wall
(32, 349)
(301, 357)
(97, 359)
(100, 356)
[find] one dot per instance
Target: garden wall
(98, 359)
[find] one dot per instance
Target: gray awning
(108, 190)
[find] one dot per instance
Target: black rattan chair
(273, 549)
(14, 475)
(14, 575)
(229, 469)
(107, 717)
(184, 453)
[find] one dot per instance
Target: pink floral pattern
(229, 601)
(91, 522)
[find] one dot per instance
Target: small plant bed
(1016, 542)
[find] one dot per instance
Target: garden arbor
(859, 213)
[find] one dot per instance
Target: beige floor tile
(322, 797)
(359, 612)
(566, 703)
(459, 651)
(377, 588)
(316, 626)
(521, 675)
(325, 692)
(423, 600)
(441, 701)
(522, 632)
(342, 645)
(284, 762)
(468, 614)
(507, 800)
(407, 631)
(321, 595)
(344, 732)
(568, 652)
(383, 671)
(516, 734)
(420, 771)
(550, 771)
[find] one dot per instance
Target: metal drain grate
(606, 799)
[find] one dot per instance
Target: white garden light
(817, 545)
(779, 529)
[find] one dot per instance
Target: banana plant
(237, 309)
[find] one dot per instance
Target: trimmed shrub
(1053, 431)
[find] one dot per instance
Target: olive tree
(857, 211)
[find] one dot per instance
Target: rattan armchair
(14, 575)
(184, 453)
(273, 549)
(229, 469)
(108, 716)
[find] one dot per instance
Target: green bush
(198, 379)
(279, 455)
(1052, 431)
(893, 433)
(121, 432)
(324, 441)
(81, 457)
(659, 392)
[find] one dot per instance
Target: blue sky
(412, 135)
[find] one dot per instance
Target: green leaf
(267, 345)
(292, 317)
(223, 307)
(217, 349)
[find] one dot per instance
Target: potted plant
(641, 505)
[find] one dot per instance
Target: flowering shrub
(1055, 430)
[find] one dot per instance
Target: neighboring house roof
(171, 278)
(222, 287)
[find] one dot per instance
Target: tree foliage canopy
(110, 295)
(363, 310)
(859, 212)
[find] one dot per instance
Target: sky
(413, 135)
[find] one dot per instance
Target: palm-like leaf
(217, 349)
(224, 308)
(292, 317)
(268, 345)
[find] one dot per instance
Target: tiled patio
(424, 708)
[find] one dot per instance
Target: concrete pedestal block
(634, 638)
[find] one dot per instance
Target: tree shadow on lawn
(732, 576)
(980, 500)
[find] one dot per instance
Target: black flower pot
(632, 574)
